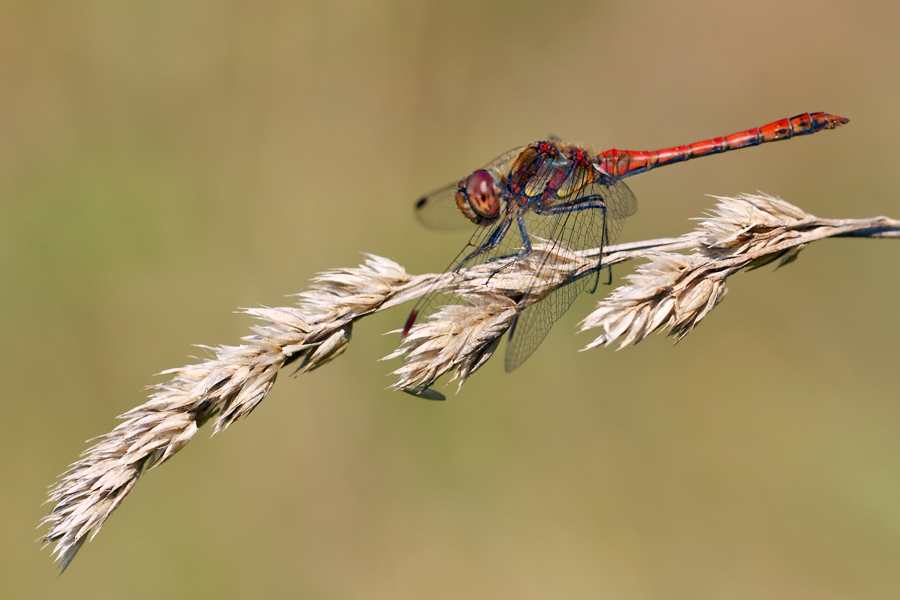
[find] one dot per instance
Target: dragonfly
(564, 195)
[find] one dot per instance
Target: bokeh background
(162, 164)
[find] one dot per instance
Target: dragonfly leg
(586, 203)
(492, 242)
(525, 251)
(526, 243)
(604, 243)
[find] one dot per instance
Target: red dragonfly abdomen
(624, 163)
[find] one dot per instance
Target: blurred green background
(162, 164)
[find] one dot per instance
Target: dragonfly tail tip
(835, 121)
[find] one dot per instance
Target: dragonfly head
(478, 197)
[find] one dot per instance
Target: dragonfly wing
(624, 201)
(503, 163)
(620, 203)
(533, 324)
(438, 209)
(590, 217)
(575, 230)
(503, 245)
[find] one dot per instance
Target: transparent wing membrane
(592, 218)
(438, 209)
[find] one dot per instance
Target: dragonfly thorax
(478, 198)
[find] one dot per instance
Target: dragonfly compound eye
(478, 197)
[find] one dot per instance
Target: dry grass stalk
(227, 387)
(676, 291)
(673, 290)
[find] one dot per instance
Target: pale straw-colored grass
(676, 291)
(672, 290)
